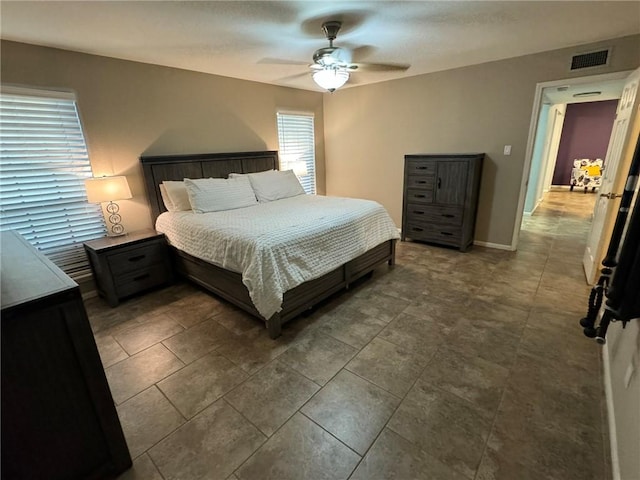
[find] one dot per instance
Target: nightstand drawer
(136, 258)
(139, 280)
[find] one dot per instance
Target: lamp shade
(331, 78)
(107, 189)
(299, 167)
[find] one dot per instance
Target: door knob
(611, 195)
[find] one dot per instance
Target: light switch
(507, 149)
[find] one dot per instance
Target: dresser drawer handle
(448, 234)
(136, 258)
(448, 215)
(421, 168)
(416, 229)
(421, 181)
(420, 196)
(141, 277)
(418, 212)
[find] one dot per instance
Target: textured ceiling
(273, 42)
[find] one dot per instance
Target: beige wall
(129, 109)
(479, 108)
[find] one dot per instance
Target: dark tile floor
(449, 366)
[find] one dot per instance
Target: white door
(608, 202)
(551, 155)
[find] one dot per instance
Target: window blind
(43, 164)
(297, 144)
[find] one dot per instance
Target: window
(43, 164)
(297, 147)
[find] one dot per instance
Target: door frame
(533, 125)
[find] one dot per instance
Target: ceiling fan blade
(361, 53)
(294, 77)
(379, 67)
(280, 61)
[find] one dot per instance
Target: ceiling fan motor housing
(331, 29)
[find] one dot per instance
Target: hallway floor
(449, 366)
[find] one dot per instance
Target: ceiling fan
(332, 65)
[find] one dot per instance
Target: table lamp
(299, 167)
(109, 189)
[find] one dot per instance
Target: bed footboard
(229, 286)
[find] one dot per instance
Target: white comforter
(279, 245)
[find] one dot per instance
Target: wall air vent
(590, 59)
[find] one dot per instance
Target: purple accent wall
(585, 134)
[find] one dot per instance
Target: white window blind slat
(297, 143)
(43, 164)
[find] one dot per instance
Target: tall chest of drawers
(440, 198)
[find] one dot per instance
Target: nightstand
(129, 264)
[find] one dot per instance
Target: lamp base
(114, 218)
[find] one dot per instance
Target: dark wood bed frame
(228, 284)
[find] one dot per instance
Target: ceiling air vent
(590, 59)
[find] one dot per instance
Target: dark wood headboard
(156, 169)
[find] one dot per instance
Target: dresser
(129, 264)
(58, 417)
(440, 198)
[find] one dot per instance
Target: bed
(227, 283)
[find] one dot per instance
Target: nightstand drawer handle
(420, 196)
(418, 212)
(136, 258)
(421, 181)
(448, 234)
(448, 215)
(416, 229)
(421, 168)
(141, 277)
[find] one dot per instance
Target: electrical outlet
(507, 149)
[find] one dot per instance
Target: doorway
(546, 126)
(574, 123)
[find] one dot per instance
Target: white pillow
(217, 194)
(177, 193)
(168, 204)
(274, 185)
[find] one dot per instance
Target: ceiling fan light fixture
(330, 78)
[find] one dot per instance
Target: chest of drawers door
(440, 198)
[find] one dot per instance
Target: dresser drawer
(434, 214)
(136, 258)
(417, 167)
(447, 234)
(425, 182)
(419, 196)
(133, 282)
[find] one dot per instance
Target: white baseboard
(611, 417)
(498, 246)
